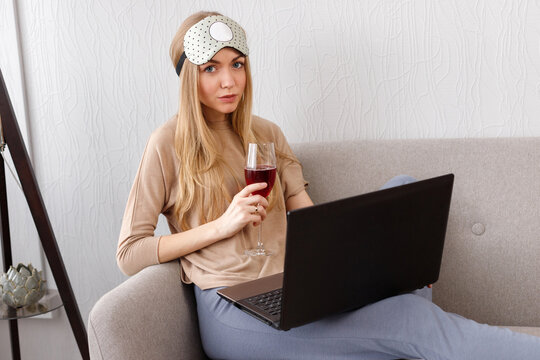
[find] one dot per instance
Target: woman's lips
(227, 98)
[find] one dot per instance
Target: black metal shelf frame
(25, 173)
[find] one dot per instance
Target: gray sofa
(490, 270)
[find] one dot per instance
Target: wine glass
(260, 167)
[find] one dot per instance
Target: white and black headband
(213, 33)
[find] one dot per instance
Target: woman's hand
(245, 208)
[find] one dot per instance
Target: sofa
(490, 269)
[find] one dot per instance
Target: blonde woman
(192, 172)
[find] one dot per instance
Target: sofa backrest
(491, 263)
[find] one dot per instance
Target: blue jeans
(404, 326)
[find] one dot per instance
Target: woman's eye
(238, 65)
(210, 69)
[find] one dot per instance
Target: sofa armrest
(151, 315)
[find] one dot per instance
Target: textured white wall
(99, 81)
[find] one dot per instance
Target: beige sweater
(154, 192)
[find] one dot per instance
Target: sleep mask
(204, 39)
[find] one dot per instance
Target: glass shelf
(49, 302)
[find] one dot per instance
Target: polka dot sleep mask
(204, 39)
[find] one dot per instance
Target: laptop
(348, 253)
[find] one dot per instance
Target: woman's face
(221, 83)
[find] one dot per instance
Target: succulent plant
(22, 286)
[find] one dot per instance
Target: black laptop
(348, 253)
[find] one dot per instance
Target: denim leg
(425, 292)
(406, 326)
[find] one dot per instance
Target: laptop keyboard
(269, 302)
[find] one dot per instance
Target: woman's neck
(217, 120)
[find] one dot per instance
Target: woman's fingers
(257, 213)
(245, 197)
(260, 215)
(251, 189)
(247, 208)
(244, 209)
(258, 200)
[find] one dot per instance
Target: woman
(192, 172)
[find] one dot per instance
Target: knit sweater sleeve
(137, 245)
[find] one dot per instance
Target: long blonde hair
(201, 182)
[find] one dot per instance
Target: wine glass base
(259, 252)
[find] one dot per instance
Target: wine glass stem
(259, 240)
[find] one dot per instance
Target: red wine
(263, 173)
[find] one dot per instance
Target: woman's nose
(227, 79)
